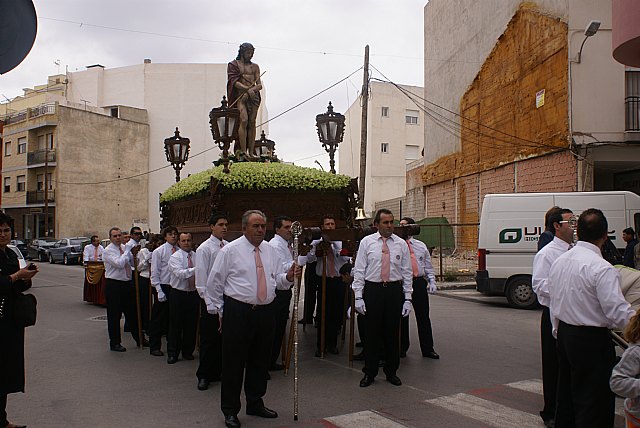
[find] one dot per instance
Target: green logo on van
(510, 236)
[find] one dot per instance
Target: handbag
(25, 309)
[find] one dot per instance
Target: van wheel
(520, 294)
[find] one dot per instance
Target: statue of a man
(243, 89)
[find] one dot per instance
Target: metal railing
(37, 196)
(32, 112)
(38, 156)
(632, 114)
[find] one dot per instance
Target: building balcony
(632, 119)
(30, 113)
(38, 157)
(37, 196)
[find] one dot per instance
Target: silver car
(67, 250)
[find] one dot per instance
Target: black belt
(384, 283)
(253, 307)
(184, 291)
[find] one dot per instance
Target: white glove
(360, 308)
(349, 312)
(432, 287)
(161, 296)
(406, 308)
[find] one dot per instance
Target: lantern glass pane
(333, 126)
(323, 131)
(177, 151)
(221, 130)
(232, 122)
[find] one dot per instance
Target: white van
(510, 225)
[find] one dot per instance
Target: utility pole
(363, 127)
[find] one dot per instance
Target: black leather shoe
(118, 348)
(276, 367)
(403, 354)
(432, 354)
(359, 357)
(157, 353)
(203, 384)
(366, 381)
(231, 421)
(262, 412)
(188, 357)
(394, 380)
(172, 360)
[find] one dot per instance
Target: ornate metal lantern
(224, 128)
(330, 132)
(265, 147)
(177, 150)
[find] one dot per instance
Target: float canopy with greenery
(257, 176)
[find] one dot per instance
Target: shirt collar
(214, 239)
(589, 246)
(560, 243)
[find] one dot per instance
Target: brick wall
(552, 173)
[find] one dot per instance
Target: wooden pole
(323, 318)
(351, 325)
(138, 314)
(363, 128)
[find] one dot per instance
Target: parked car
(67, 250)
(21, 245)
(37, 249)
(21, 260)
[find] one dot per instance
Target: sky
(302, 46)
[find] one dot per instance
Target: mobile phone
(32, 266)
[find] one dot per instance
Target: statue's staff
(246, 90)
(296, 230)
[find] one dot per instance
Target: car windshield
(76, 241)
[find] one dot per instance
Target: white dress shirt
(338, 260)
(159, 262)
(116, 264)
(144, 262)
(89, 253)
(542, 265)
(205, 256)
(234, 274)
(284, 253)
(179, 270)
(369, 263)
(425, 268)
(584, 290)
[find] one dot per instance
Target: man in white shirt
(281, 242)
(210, 353)
(335, 288)
(160, 278)
(422, 270)
(244, 279)
(118, 291)
(93, 252)
(183, 312)
(563, 238)
(382, 285)
(585, 301)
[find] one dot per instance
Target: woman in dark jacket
(13, 280)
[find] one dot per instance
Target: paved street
(488, 374)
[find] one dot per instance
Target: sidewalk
(456, 285)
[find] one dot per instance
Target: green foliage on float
(257, 176)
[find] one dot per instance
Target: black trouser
(549, 366)
(310, 290)
(159, 324)
(281, 308)
(143, 293)
(3, 410)
(334, 307)
(420, 302)
(247, 337)
(120, 299)
(383, 302)
(210, 367)
(586, 357)
(183, 315)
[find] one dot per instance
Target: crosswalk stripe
(363, 419)
(485, 411)
(532, 385)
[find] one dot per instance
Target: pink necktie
(414, 261)
(262, 280)
(127, 266)
(173, 250)
(385, 270)
(95, 254)
(192, 278)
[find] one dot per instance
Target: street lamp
(224, 128)
(591, 30)
(177, 150)
(265, 147)
(330, 132)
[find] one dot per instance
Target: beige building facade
(395, 138)
(55, 159)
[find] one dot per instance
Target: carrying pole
(363, 129)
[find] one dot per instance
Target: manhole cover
(98, 318)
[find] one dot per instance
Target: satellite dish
(18, 27)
